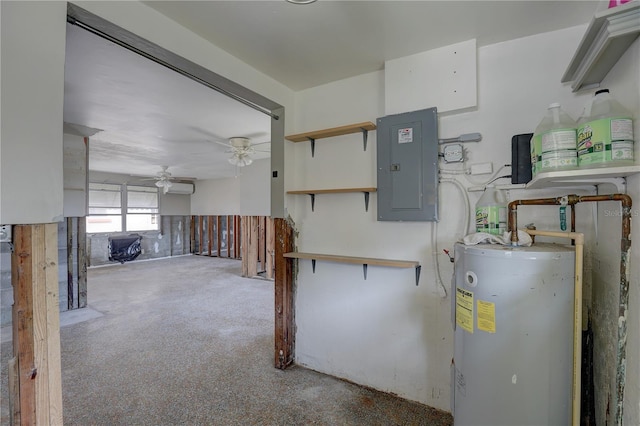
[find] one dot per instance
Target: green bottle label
(492, 220)
(605, 140)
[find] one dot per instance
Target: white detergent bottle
(605, 133)
(553, 146)
(491, 212)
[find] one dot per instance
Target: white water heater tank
(513, 350)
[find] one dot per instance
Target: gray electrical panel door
(408, 166)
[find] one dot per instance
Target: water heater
(513, 350)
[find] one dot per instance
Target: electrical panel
(407, 152)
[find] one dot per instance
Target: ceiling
(150, 116)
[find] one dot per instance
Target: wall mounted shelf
(334, 131)
(578, 177)
(312, 193)
(613, 175)
(608, 37)
(364, 261)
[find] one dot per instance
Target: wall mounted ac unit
(181, 188)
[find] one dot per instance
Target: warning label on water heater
(486, 316)
(464, 309)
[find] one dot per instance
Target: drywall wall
(246, 194)
(216, 197)
(384, 331)
(255, 190)
(624, 85)
(174, 204)
(31, 177)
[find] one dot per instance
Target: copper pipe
(625, 248)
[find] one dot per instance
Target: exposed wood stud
(229, 221)
(261, 243)
(270, 234)
(192, 234)
(200, 234)
(36, 325)
(210, 235)
(244, 245)
(252, 252)
(82, 263)
(70, 298)
(219, 236)
(284, 297)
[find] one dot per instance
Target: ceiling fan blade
(220, 143)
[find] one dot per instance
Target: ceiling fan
(163, 179)
(241, 149)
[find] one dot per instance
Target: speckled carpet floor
(186, 341)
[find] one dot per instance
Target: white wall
(385, 332)
(255, 189)
(31, 181)
(216, 197)
(246, 194)
(175, 204)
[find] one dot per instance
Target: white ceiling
(151, 116)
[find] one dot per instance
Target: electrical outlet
(5, 233)
(481, 168)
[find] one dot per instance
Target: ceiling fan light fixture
(240, 161)
(164, 185)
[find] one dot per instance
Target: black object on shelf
(521, 158)
(124, 248)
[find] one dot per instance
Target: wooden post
(252, 252)
(219, 235)
(284, 297)
(261, 243)
(70, 286)
(244, 245)
(200, 234)
(82, 262)
(210, 234)
(269, 248)
(237, 235)
(36, 324)
(192, 230)
(229, 219)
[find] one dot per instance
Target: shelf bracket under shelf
(313, 265)
(313, 201)
(418, 269)
(313, 146)
(365, 136)
(366, 201)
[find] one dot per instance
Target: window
(105, 208)
(114, 208)
(142, 208)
